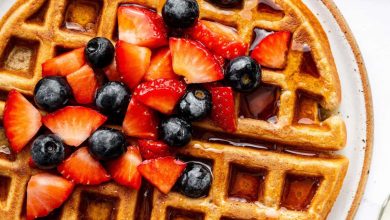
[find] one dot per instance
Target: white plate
(355, 107)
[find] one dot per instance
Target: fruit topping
(176, 132)
(112, 73)
(82, 168)
(107, 144)
(52, 93)
(153, 149)
(193, 61)
(195, 104)
(243, 74)
(180, 13)
(73, 124)
(195, 182)
(99, 52)
(161, 66)
(161, 94)
(21, 120)
(84, 84)
(223, 112)
(47, 151)
(162, 172)
(64, 64)
(228, 3)
(124, 169)
(272, 50)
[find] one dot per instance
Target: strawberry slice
(153, 149)
(124, 169)
(141, 26)
(161, 94)
(82, 168)
(46, 192)
(21, 120)
(132, 62)
(140, 121)
(161, 66)
(223, 112)
(220, 39)
(193, 61)
(272, 50)
(112, 72)
(74, 124)
(64, 64)
(84, 85)
(162, 172)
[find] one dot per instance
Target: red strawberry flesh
(64, 64)
(223, 112)
(161, 66)
(151, 149)
(84, 84)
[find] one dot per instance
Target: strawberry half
(161, 94)
(153, 149)
(64, 64)
(193, 61)
(162, 172)
(21, 120)
(82, 168)
(74, 124)
(132, 62)
(272, 50)
(84, 84)
(46, 192)
(223, 112)
(161, 66)
(141, 26)
(140, 121)
(220, 39)
(124, 169)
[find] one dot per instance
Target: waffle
(36, 30)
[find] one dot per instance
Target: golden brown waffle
(35, 30)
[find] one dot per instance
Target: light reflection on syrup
(306, 110)
(83, 15)
(144, 201)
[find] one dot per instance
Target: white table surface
(369, 21)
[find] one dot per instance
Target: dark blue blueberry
(195, 182)
(52, 93)
(195, 104)
(47, 151)
(100, 52)
(176, 132)
(107, 143)
(243, 74)
(180, 13)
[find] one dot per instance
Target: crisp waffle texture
(35, 30)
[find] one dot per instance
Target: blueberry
(112, 100)
(180, 13)
(176, 132)
(52, 93)
(107, 143)
(100, 52)
(195, 182)
(47, 151)
(228, 3)
(195, 104)
(243, 74)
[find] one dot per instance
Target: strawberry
(74, 124)
(21, 120)
(193, 61)
(272, 50)
(124, 169)
(82, 168)
(161, 94)
(140, 121)
(132, 62)
(220, 39)
(223, 111)
(46, 192)
(162, 172)
(141, 26)
(84, 85)
(112, 73)
(153, 149)
(161, 66)
(64, 64)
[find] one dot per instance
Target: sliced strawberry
(272, 50)
(64, 64)
(140, 121)
(193, 61)
(161, 94)
(153, 149)
(21, 120)
(74, 124)
(84, 84)
(161, 66)
(124, 169)
(132, 62)
(82, 168)
(162, 172)
(112, 73)
(223, 112)
(46, 192)
(220, 60)
(220, 39)
(141, 26)
(31, 163)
